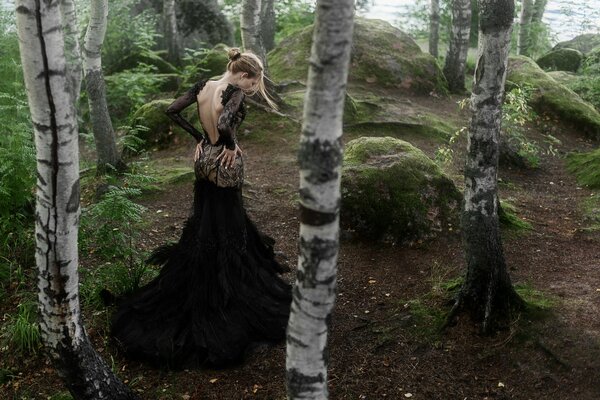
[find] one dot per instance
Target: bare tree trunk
(172, 39)
(539, 7)
(72, 51)
(250, 24)
(41, 44)
(268, 24)
(523, 40)
(104, 134)
(456, 58)
(320, 159)
(434, 27)
(487, 292)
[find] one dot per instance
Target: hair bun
(234, 54)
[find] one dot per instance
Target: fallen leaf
(500, 384)
(407, 394)
(213, 380)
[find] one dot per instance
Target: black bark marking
(320, 158)
(23, 10)
(298, 383)
(73, 203)
(312, 253)
(316, 218)
(296, 341)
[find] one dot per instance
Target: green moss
(591, 213)
(507, 215)
(553, 98)
(401, 130)
(563, 59)
(396, 61)
(393, 191)
(586, 167)
(535, 298)
(563, 77)
(265, 127)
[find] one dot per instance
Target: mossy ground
(586, 167)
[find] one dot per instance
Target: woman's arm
(226, 121)
(173, 111)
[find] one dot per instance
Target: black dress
(219, 288)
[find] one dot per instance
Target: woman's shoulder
(228, 91)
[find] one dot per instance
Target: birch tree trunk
(72, 50)
(523, 38)
(320, 160)
(434, 27)
(267, 25)
(104, 136)
(487, 292)
(539, 7)
(250, 25)
(456, 58)
(41, 45)
(172, 39)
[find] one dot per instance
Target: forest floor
(384, 341)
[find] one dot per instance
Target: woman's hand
(228, 156)
(199, 150)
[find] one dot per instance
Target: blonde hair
(251, 64)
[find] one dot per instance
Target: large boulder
(562, 59)
(159, 130)
(382, 55)
(584, 43)
(392, 191)
(550, 97)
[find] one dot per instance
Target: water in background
(566, 18)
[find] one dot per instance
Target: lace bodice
(231, 117)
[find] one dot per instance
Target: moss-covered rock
(563, 77)
(584, 43)
(382, 55)
(392, 191)
(563, 59)
(552, 98)
(161, 130)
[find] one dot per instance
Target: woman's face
(246, 83)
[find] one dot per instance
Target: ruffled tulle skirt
(218, 291)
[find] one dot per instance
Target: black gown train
(219, 288)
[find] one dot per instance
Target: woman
(219, 289)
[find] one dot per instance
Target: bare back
(210, 107)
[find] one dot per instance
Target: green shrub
(586, 167)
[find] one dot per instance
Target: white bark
(172, 39)
(251, 28)
(456, 58)
(41, 45)
(104, 135)
(434, 27)
(320, 159)
(72, 50)
(523, 38)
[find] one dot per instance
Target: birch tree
(104, 135)
(539, 7)
(434, 27)
(250, 25)
(41, 45)
(172, 39)
(267, 24)
(524, 27)
(456, 57)
(72, 50)
(487, 291)
(320, 161)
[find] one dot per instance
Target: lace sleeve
(232, 101)
(182, 102)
